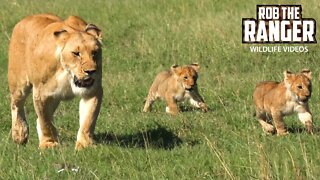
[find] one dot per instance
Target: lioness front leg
(197, 101)
(19, 91)
(89, 109)
(279, 124)
(306, 119)
(45, 107)
(20, 129)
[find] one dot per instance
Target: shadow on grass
(159, 138)
(296, 130)
(186, 108)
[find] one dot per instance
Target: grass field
(141, 38)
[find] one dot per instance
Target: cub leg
(279, 124)
(197, 101)
(89, 109)
(265, 123)
(306, 119)
(45, 108)
(149, 101)
(20, 129)
(172, 107)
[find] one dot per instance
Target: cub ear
(59, 33)
(287, 74)
(195, 66)
(175, 69)
(307, 73)
(94, 30)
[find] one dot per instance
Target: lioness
(177, 84)
(56, 59)
(274, 100)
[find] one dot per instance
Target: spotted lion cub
(274, 100)
(177, 84)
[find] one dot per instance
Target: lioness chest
(61, 86)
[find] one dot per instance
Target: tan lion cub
(274, 100)
(176, 84)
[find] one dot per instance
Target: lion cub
(177, 84)
(274, 100)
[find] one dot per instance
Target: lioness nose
(90, 72)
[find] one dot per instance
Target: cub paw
(309, 127)
(172, 111)
(203, 107)
(282, 133)
(146, 109)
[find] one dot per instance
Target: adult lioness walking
(56, 59)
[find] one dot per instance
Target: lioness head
(186, 75)
(299, 85)
(79, 53)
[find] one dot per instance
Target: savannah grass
(142, 38)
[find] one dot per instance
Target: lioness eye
(185, 78)
(299, 87)
(75, 53)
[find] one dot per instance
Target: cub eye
(76, 53)
(185, 78)
(299, 87)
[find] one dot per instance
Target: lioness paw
(80, 145)
(48, 144)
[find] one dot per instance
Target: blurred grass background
(142, 38)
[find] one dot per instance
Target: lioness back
(23, 34)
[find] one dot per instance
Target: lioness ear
(307, 73)
(94, 30)
(59, 33)
(175, 69)
(195, 66)
(75, 22)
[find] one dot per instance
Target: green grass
(141, 38)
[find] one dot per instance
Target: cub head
(186, 75)
(80, 54)
(299, 85)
